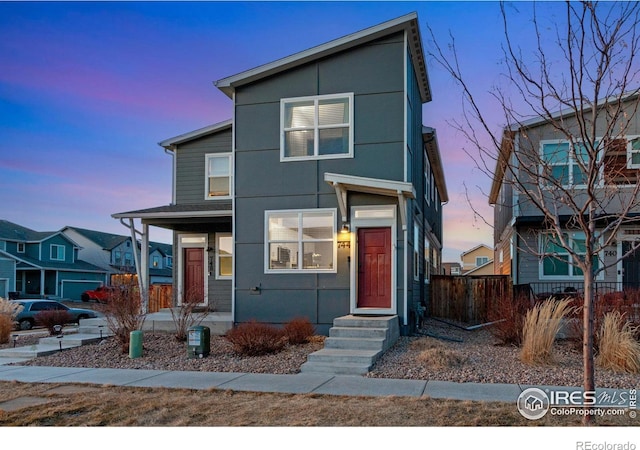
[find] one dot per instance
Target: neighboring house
(478, 259)
(522, 246)
(34, 263)
(451, 268)
(322, 197)
(115, 254)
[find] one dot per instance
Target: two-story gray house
(523, 248)
(322, 196)
(43, 264)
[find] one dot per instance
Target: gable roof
(407, 23)
(170, 143)
(14, 232)
(105, 240)
(476, 248)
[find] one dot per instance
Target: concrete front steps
(354, 344)
(88, 331)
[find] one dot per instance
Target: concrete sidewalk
(302, 383)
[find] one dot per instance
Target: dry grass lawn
(63, 405)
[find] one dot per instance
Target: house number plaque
(344, 244)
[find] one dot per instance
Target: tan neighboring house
(477, 261)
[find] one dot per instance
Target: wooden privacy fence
(466, 299)
(160, 296)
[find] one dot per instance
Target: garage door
(73, 289)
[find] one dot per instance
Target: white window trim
(416, 252)
(60, 250)
(630, 152)
(316, 99)
(217, 271)
(427, 177)
(479, 261)
(207, 157)
(300, 212)
(570, 277)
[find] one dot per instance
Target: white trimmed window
(21, 247)
(481, 260)
(561, 162)
(300, 241)
(557, 262)
(218, 177)
(57, 252)
(318, 127)
(224, 256)
(416, 252)
(633, 153)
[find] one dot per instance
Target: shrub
(52, 318)
(123, 312)
(185, 316)
(436, 355)
(618, 349)
(254, 338)
(6, 326)
(10, 309)
(299, 330)
(541, 325)
(507, 314)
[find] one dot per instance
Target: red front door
(374, 268)
(194, 274)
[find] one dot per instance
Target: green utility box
(198, 342)
(135, 344)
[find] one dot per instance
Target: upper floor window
(455, 270)
(21, 247)
(218, 176)
(480, 260)
(128, 259)
(117, 257)
(562, 161)
(316, 127)
(57, 252)
(633, 153)
(169, 261)
(300, 241)
(156, 261)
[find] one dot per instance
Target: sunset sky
(87, 90)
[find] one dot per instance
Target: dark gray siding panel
(299, 82)
(276, 306)
(379, 118)
(190, 165)
(262, 131)
(360, 71)
(261, 173)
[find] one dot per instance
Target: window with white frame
(21, 247)
(557, 261)
(633, 153)
(316, 127)
(218, 176)
(224, 256)
(57, 252)
(562, 161)
(427, 261)
(156, 261)
(300, 241)
(481, 260)
(427, 178)
(455, 270)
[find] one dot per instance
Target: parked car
(100, 294)
(26, 319)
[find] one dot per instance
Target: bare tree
(575, 79)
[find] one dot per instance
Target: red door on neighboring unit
(374, 268)
(194, 274)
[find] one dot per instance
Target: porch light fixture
(345, 228)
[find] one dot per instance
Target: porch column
(42, 280)
(144, 262)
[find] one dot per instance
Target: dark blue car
(26, 319)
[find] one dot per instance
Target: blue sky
(88, 89)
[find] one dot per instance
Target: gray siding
(190, 165)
